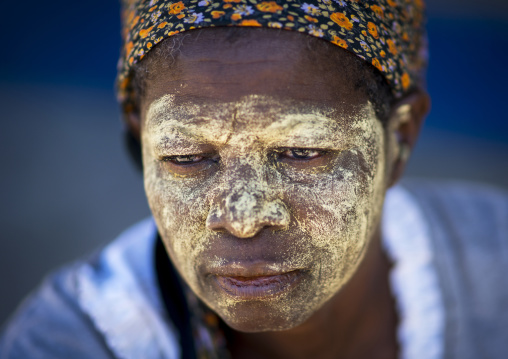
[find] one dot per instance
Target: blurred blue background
(67, 184)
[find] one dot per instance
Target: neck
(358, 322)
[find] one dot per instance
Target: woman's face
(264, 167)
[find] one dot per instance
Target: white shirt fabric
(413, 279)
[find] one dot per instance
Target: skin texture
(262, 157)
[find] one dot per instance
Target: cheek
(341, 212)
(179, 209)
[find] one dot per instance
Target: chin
(263, 317)
(255, 311)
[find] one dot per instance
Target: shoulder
(468, 225)
(107, 306)
(468, 231)
(462, 200)
(467, 217)
(50, 324)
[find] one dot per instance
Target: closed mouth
(258, 287)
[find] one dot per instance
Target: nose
(246, 208)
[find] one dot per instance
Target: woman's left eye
(302, 153)
(185, 160)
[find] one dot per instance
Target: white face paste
(325, 215)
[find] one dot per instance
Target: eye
(302, 153)
(304, 164)
(184, 160)
(190, 165)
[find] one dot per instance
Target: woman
(267, 156)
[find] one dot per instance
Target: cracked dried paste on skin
(317, 217)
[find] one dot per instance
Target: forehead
(223, 65)
(255, 121)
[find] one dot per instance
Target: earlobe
(404, 125)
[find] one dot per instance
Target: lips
(253, 287)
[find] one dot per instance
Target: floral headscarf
(388, 34)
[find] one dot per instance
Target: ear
(404, 124)
(133, 122)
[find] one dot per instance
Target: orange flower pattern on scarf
(388, 34)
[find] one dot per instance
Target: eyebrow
(175, 138)
(303, 127)
(306, 127)
(167, 144)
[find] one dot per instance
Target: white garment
(413, 279)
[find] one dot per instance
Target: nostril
(276, 214)
(244, 226)
(247, 222)
(214, 221)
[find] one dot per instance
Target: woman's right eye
(189, 165)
